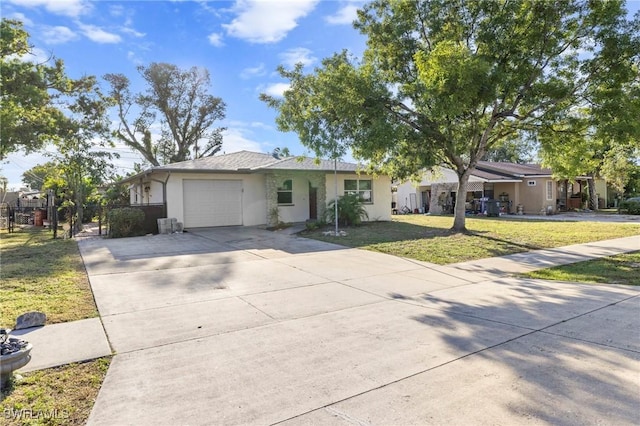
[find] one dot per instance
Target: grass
(620, 269)
(56, 396)
(39, 273)
(429, 238)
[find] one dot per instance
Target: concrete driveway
(246, 326)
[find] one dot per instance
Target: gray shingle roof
(493, 176)
(515, 169)
(254, 161)
(306, 163)
(243, 160)
(247, 162)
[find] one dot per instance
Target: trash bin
(493, 208)
(38, 217)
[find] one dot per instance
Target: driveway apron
(246, 326)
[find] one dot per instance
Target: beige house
(251, 188)
(519, 188)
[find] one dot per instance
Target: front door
(313, 203)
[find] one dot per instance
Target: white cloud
(276, 89)
(133, 32)
(133, 57)
(99, 35)
(250, 72)
(72, 8)
(22, 18)
(58, 35)
(267, 21)
(260, 125)
(35, 56)
(247, 126)
(216, 39)
(235, 139)
(116, 10)
(344, 16)
(302, 55)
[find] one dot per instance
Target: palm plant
(351, 210)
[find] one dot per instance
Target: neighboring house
(251, 188)
(521, 188)
(25, 198)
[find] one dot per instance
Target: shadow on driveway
(575, 367)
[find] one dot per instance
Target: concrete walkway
(264, 328)
(64, 343)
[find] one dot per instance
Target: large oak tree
(29, 91)
(443, 82)
(178, 100)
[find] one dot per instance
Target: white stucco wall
(254, 205)
(380, 209)
(298, 211)
(254, 197)
(403, 195)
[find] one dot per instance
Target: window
(549, 190)
(488, 191)
(285, 192)
(362, 188)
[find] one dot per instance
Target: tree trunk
(593, 197)
(79, 209)
(459, 220)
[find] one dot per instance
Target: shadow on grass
(34, 253)
(381, 232)
(524, 247)
(427, 243)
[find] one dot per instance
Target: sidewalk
(77, 341)
(547, 258)
(64, 343)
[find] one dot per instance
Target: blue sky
(240, 42)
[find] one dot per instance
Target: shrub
(90, 211)
(630, 207)
(312, 225)
(351, 211)
(126, 222)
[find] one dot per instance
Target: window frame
(282, 189)
(358, 190)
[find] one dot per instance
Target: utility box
(493, 208)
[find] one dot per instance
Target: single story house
(520, 188)
(25, 198)
(252, 188)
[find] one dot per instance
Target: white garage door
(212, 203)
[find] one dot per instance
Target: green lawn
(429, 239)
(42, 274)
(56, 396)
(620, 269)
(47, 275)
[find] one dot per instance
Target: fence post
(54, 221)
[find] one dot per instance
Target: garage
(209, 202)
